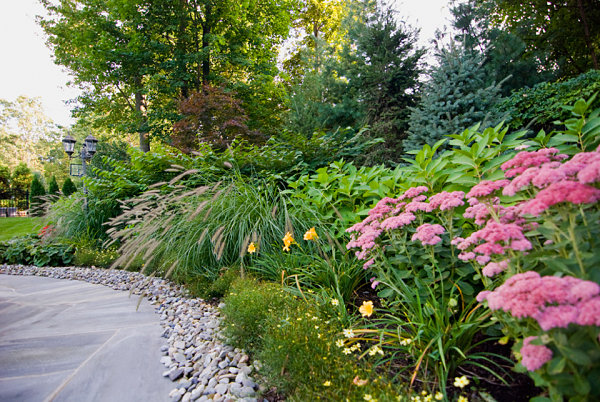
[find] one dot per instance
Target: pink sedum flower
(590, 174)
(445, 200)
(395, 222)
(494, 268)
(552, 301)
(486, 187)
(427, 234)
(415, 206)
(534, 356)
(525, 159)
(563, 191)
(413, 192)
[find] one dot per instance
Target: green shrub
(76, 221)
(542, 105)
(68, 187)
(298, 343)
(200, 286)
(247, 307)
(86, 256)
(32, 250)
(53, 186)
(341, 194)
(36, 191)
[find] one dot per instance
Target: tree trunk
(206, 29)
(586, 32)
(140, 108)
(182, 46)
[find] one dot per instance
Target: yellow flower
(366, 309)
(311, 234)
(287, 241)
(335, 302)
(439, 396)
(327, 384)
(251, 248)
(461, 382)
(369, 398)
(462, 399)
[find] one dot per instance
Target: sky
(26, 66)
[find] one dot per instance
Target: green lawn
(11, 227)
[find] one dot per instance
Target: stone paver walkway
(74, 341)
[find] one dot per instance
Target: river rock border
(201, 366)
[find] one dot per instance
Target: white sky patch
(27, 67)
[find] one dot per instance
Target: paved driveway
(64, 340)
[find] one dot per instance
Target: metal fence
(13, 203)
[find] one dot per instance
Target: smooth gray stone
(68, 340)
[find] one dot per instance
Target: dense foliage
(347, 278)
(33, 250)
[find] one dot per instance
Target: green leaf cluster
(30, 249)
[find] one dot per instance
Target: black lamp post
(88, 149)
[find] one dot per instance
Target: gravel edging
(201, 366)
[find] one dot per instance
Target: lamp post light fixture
(88, 149)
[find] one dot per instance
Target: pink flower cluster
(486, 187)
(494, 268)
(552, 301)
(427, 234)
(497, 237)
(562, 191)
(388, 214)
(526, 159)
(445, 200)
(534, 356)
(395, 213)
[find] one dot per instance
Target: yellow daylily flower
(311, 234)
(287, 241)
(366, 309)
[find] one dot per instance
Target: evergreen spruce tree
(53, 187)
(384, 69)
(68, 187)
(456, 97)
(36, 191)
